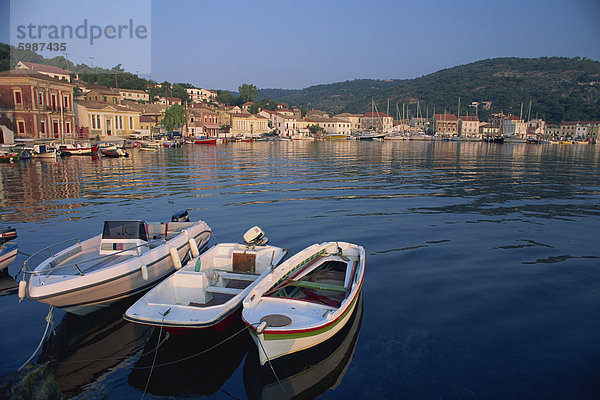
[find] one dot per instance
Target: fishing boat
(209, 289)
(128, 257)
(78, 149)
(44, 151)
(205, 141)
(306, 300)
(8, 251)
(114, 153)
(308, 373)
(9, 156)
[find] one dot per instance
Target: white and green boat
(306, 300)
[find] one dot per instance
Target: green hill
(558, 89)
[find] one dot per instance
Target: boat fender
(144, 270)
(194, 248)
(175, 257)
(260, 328)
(22, 289)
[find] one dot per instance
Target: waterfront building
(105, 121)
(354, 120)
(469, 126)
(248, 124)
(134, 94)
(513, 126)
(37, 106)
(378, 121)
(445, 124)
(49, 70)
(246, 105)
(331, 125)
(489, 130)
(536, 128)
(202, 122)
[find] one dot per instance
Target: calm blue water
(483, 263)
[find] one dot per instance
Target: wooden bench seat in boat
(319, 286)
(222, 290)
(236, 276)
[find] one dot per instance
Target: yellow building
(248, 125)
(106, 120)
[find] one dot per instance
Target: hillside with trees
(558, 89)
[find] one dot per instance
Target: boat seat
(222, 290)
(239, 277)
(319, 286)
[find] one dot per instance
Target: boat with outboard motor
(306, 300)
(8, 251)
(127, 258)
(209, 289)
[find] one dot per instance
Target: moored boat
(205, 141)
(44, 151)
(114, 153)
(127, 258)
(8, 251)
(306, 300)
(209, 289)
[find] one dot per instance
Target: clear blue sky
(295, 44)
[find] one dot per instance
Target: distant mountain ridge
(558, 89)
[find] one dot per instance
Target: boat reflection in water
(197, 363)
(7, 284)
(308, 373)
(85, 347)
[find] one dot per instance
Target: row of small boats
(287, 303)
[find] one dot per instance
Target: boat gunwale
(103, 282)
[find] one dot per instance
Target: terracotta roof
(32, 74)
(51, 69)
(375, 114)
(446, 117)
(470, 118)
(147, 118)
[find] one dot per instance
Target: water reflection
(82, 348)
(484, 176)
(197, 363)
(307, 374)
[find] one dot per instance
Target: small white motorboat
(306, 300)
(8, 251)
(127, 258)
(208, 290)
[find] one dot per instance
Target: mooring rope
(197, 354)
(156, 352)
(271, 366)
(49, 319)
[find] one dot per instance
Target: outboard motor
(7, 234)
(255, 237)
(180, 216)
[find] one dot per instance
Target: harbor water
(482, 275)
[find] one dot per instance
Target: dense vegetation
(558, 89)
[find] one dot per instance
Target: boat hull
(8, 253)
(82, 294)
(309, 322)
(184, 302)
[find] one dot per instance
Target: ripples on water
(482, 270)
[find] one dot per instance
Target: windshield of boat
(125, 230)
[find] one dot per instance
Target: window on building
(18, 98)
(21, 127)
(68, 127)
(43, 128)
(130, 122)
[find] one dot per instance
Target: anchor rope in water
(49, 321)
(271, 366)
(156, 352)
